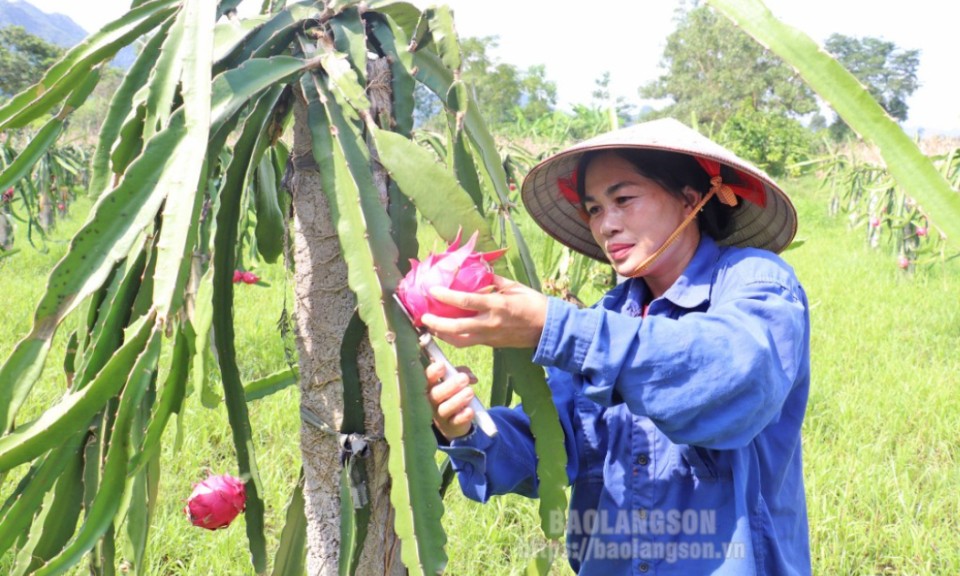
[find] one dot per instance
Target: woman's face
(631, 216)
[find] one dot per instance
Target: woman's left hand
(512, 316)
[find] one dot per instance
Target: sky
(577, 41)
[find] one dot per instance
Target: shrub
(776, 143)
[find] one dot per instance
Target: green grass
(881, 438)
(175, 547)
(882, 434)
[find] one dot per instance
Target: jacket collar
(691, 289)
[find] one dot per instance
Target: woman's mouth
(619, 252)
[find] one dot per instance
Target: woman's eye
(622, 199)
(592, 209)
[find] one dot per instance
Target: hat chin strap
(714, 190)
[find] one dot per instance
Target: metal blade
(405, 311)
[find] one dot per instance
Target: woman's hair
(673, 171)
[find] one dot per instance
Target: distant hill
(54, 28)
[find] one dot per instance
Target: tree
(712, 66)
(539, 95)
(149, 278)
(23, 59)
(911, 169)
(888, 72)
(775, 142)
(501, 91)
(625, 111)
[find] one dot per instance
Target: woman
(681, 392)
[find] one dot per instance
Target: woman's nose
(611, 223)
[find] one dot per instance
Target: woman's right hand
(450, 400)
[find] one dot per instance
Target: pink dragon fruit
(216, 501)
(245, 277)
(459, 268)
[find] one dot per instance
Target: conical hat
(770, 223)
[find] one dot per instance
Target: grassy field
(881, 438)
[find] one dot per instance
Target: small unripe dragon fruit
(459, 268)
(216, 501)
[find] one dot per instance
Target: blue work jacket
(682, 426)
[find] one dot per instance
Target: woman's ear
(691, 196)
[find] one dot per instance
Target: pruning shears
(429, 347)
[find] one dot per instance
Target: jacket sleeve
(507, 463)
(713, 379)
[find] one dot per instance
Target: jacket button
(643, 459)
(644, 567)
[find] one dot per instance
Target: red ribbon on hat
(752, 191)
(568, 188)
